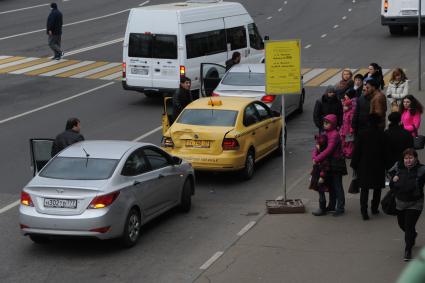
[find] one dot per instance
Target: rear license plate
(409, 13)
(60, 203)
(139, 71)
(197, 144)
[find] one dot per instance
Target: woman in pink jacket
(411, 110)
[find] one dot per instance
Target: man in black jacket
(70, 136)
(328, 104)
(54, 31)
(182, 97)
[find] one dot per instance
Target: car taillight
(104, 201)
(124, 71)
(23, 226)
(215, 94)
(26, 199)
(230, 144)
(101, 230)
(182, 71)
(268, 98)
(386, 6)
(167, 142)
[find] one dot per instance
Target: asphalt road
(334, 33)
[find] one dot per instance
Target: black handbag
(338, 166)
(419, 142)
(388, 203)
(354, 186)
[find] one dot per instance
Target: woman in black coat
(397, 139)
(369, 163)
(327, 104)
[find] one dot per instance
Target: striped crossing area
(67, 68)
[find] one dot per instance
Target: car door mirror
(177, 160)
(266, 37)
(276, 114)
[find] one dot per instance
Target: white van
(396, 14)
(164, 42)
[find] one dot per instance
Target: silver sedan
(103, 189)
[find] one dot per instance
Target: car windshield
(76, 168)
(207, 117)
(244, 79)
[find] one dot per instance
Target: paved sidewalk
(304, 248)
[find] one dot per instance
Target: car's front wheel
(39, 239)
(132, 228)
(248, 170)
(186, 197)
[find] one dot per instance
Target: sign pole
(283, 148)
(419, 47)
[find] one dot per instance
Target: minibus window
(205, 43)
(140, 45)
(159, 46)
(255, 39)
(236, 37)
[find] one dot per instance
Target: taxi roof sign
(217, 102)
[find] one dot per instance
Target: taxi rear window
(205, 117)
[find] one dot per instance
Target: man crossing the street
(54, 31)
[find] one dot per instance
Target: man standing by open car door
(182, 97)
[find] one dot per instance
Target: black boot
(365, 216)
(407, 254)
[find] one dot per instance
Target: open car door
(41, 153)
(167, 114)
(211, 75)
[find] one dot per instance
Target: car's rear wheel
(248, 170)
(396, 30)
(39, 239)
(132, 228)
(186, 197)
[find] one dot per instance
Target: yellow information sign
(283, 67)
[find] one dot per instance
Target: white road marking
(324, 35)
(307, 46)
(313, 73)
(148, 134)
(21, 61)
(4, 57)
(113, 76)
(10, 206)
(93, 46)
(26, 8)
(246, 228)
(336, 26)
(279, 10)
(67, 68)
(269, 18)
(279, 198)
(35, 67)
(209, 262)
(55, 103)
(95, 70)
(344, 18)
(286, 2)
(144, 3)
(349, 10)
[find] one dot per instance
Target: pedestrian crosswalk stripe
(68, 68)
(96, 70)
(107, 72)
(23, 65)
(80, 70)
(312, 77)
(17, 62)
(8, 59)
(62, 64)
(314, 72)
(323, 77)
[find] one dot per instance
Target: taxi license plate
(139, 71)
(60, 203)
(198, 144)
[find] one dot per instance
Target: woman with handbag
(368, 161)
(333, 153)
(398, 88)
(411, 110)
(408, 183)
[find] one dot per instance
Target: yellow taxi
(223, 134)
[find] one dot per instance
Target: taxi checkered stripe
(66, 68)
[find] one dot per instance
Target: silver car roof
(108, 149)
(243, 68)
